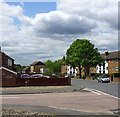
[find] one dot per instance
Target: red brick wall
(93, 70)
(110, 65)
(116, 79)
(8, 78)
(7, 74)
(63, 69)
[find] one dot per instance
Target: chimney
(63, 59)
(106, 53)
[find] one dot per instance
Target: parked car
(54, 75)
(36, 76)
(46, 76)
(69, 76)
(25, 76)
(63, 75)
(103, 79)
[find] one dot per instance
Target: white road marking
(94, 91)
(68, 109)
(9, 97)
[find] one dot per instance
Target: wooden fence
(35, 81)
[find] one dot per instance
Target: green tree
(22, 67)
(49, 64)
(83, 53)
(54, 67)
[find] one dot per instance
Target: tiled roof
(111, 55)
(37, 63)
(7, 55)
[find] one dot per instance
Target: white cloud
(48, 35)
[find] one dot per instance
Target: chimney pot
(106, 53)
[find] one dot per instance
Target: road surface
(83, 102)
(111, 88)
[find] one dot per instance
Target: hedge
(116, 75)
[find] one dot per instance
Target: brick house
(67, 69)
(36, 66)
(92, 69)
(111, 64)
(26, 70)
(63, 67)
(6, 61)
(6, 66)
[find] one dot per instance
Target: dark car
(36, 76)
(25, 76)
(103, 79)
(62, 75)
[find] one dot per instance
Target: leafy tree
(22, 67)
(54, 67)
(49, 64)
(82, 53)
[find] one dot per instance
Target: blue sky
(33, 8)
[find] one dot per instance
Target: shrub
(107, 75)
(97, 75)
(116, 75)
(92, 74)
(48, 73)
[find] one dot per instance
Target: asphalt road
(111, 88)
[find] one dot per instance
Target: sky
(32, 31)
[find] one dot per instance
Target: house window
(112, 61)
(109, 68)
(116, 60)
(9, 62)
(116, 68)
(106, 68)
(112, 68)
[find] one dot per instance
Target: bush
(116, 75)
(48, 73)
(97, 75)
(92, 74)
(107, 75)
